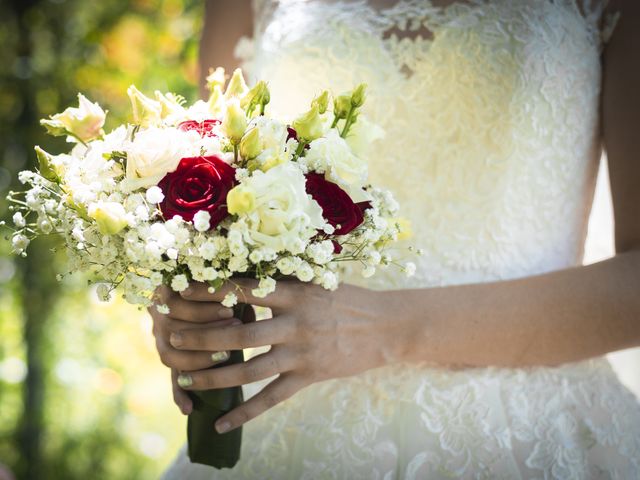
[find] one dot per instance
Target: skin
(543, 320)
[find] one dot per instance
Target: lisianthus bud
(46, 166)
(110, 217)
(146, 111)
(322, 101)
(215, 101)
(240, 200)
(84, 123)
(170, 103)
(341, 106)
(258, 95)
(358, 95)
(215, 77)
(250, 144)
(235, 122)
(309, 125)
(237, 86)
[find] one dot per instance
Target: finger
(172, 325)
(180, 397)
(283, 296)
(235, 337)
(189, 361)
(257, 368)
(277, 391)
(199, 312)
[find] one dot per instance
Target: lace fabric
(490, 110)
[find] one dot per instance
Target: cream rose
(282, 215)
(156, 152)
(84, 123)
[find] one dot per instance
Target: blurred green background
(82, 392)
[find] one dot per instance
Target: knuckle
(208, 381)
(242, 416)
(251, 373)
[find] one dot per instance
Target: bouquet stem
(206, 445)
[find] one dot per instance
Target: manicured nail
(175, 339)
(222, 427)
(185, 409)
(236, 322)
(225, 313)
(220, 356)
(185, 380)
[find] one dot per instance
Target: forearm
(548, 319)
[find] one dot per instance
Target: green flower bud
(240, 200)
(237, 86)
(322, 101)
(46, 166)
(250, 145)
(235, 122)
(258, 95)
(358, 95)
(215, 78)
(341, 106)
(169, 103)
(111, 217)
(309, 125)
(215, 101)
(145, 110)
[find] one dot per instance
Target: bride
(489, 362)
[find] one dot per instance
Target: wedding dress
(490, 114)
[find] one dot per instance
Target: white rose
(111, 217)
(281, 214)
(363, 135)
(333, 156)
(155, 152)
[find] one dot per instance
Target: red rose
(204, 128)
(337, 206)
(199, 183)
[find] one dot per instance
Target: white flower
(329, 280)
(321, 252)
(84, 123)
(363, 135)
(104, 292)
(19, 242)
(154, 195)
(208, 250)
(179, 283)
(19, 220)
(272, 142)
(409, 269)
(266, 286)
(163, 309)
(333, 156)
(304, 272)
(230, 299)
(282, 214)
(368, 271)
(154, 152)
(287, 265)
(209, 274)
(201, 221)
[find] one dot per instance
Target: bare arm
(225, 22)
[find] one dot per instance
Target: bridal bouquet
(207, 193)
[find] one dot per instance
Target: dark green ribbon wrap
(206, 445)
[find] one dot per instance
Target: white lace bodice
(490, 110)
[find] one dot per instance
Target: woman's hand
(194, 315)
(315, 335)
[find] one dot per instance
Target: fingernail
(225, 313)
(185, 409)
(187, 292)
(236, 322)
(222, 427)
(185, 380)
(220, 356)
(175, 339)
